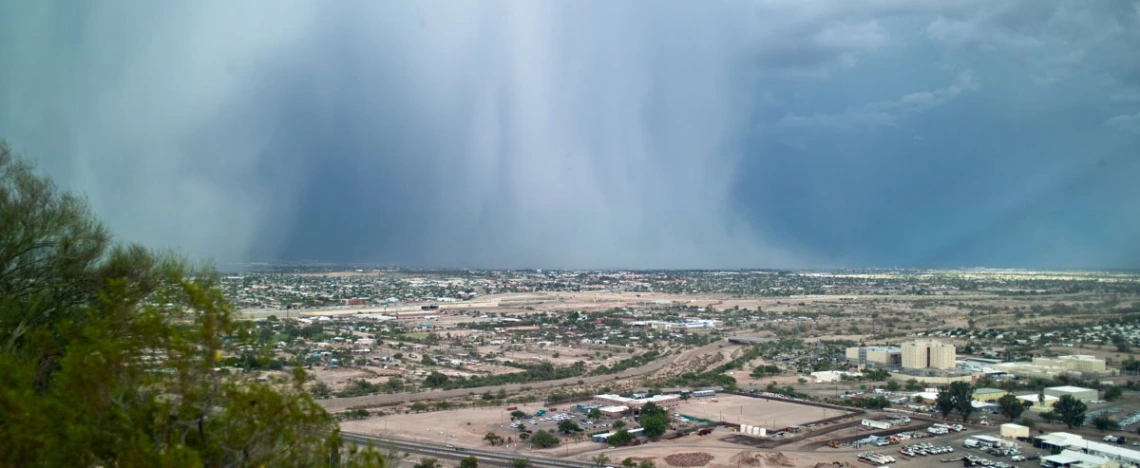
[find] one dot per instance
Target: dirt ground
(771, 414)
(464, 427)
(728, 457)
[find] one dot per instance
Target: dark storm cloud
(592, 134)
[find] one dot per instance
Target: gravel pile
(689, 459)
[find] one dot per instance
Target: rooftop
(1069, 388)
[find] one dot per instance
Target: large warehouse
(885, 356)
(1083, 394)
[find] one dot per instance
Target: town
(779, 368)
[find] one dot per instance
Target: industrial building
(988, 395)
(1074, 362)
(1117, 454)
(833, 376)
(1014, 431)
(875, 356)
(664, 401)
(1035, 404)
(1083, 394)
(928, 354)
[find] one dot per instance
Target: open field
(769, 413)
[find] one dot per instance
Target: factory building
(1083, 394)
(988, 395)
(875, 356)
(1074, 362)
(928, 354)
(665, 401)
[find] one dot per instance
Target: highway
(486, 457)
(341, 404)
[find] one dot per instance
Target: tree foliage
(1070, 411)
(110, 353)
(469, 462)
(567, 426)
(944, 403)
(543, 439)
(1103, 423)
(654, 419)
(1010, 407)
(962, 394)
(620, 438)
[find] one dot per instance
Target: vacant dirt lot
(754, 411)
(464, 427)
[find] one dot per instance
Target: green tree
(427, 462)
(520, 462)
(628, 463)
(1070, 411)
(913, 385)
(647, 464)
(493, 438)
(469, 462)
(620, 438)
(435, 379)
(1027, 422)
(1113, 393)
(1010, 407)
(1103, 423)
(944, 403)
(427, 360)
(962, 395)
(893, 385)
(516, 414)
(619, 424)
(543, 439)
(655, 425)
(320, 390)
(567, 426)
(594, 414)
(108, 353)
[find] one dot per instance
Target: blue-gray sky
(592, 134)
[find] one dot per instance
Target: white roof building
(1115, 453)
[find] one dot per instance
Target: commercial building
(1074, 362)
(1116, 454)
(615, 411)
(928, 354)
(1028, 370)
(1073, 459)
(1035, 403)
(875, 356)
(664, 401)
(988, 395)
(832, 376)
(1014, 431)
(1083, 394)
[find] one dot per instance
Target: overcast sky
(590, 133)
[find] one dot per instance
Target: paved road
(341, 404)
(486, 457)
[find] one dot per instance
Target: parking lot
(938, 453)
(549, 420)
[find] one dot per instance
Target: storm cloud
(591, 134)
